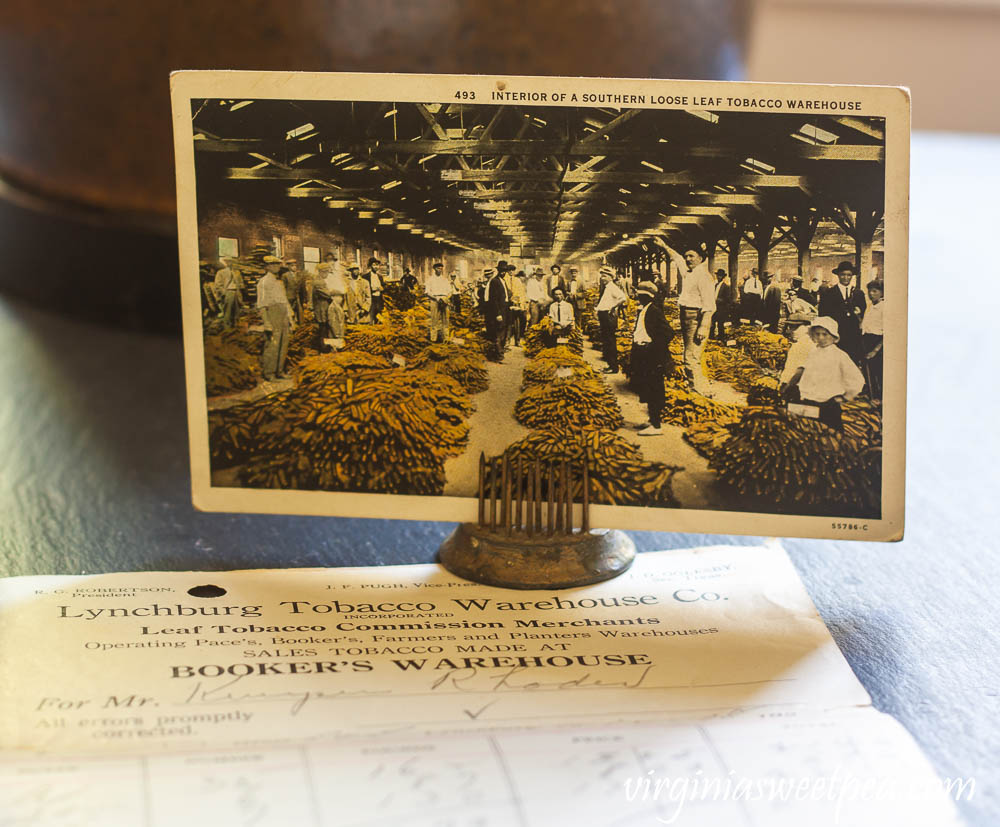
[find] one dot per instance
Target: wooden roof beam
(604, 177)
(642, 151)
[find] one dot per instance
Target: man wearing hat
(697, 306)
(409, 281)
(723, 305)
(321, 303)
(229, 292)
(329, 294)
(277, 317)
(496, 300)
(359, 296)
(374, 277)
(556, 279)
(612, 297)
(535, 292)
(574, 292)
(294, 287)
(650, 357)
(752, 297)
(845, 304)
(517, 309)
(438, 289)
(828, 376)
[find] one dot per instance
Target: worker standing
(276, 313)
(229, 292)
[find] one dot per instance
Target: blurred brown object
(86, 133)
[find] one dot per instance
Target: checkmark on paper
(474, 715)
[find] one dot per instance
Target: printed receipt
(148, 660)
(700, 688)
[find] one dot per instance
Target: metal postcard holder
(532, 543)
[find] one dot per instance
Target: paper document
(134, 661)
(699, 688)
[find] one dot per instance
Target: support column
(711, 247)
(803, 228)
(734, 239)
(863, 261)
(860, 227)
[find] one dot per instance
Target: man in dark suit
(845, 304)
(650, 356)
(723, 306)
(496, 300)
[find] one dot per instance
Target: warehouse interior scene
(688, 302)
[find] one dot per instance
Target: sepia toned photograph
(680, 295)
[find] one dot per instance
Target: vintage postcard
(695, 290)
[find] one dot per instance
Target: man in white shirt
(574, 293)
(871, 338)
(697, 306)
(752, 297)
(562, 315)
(438, 290)
(276, 314)
(612, 297)
(535, 291)
(228, 291)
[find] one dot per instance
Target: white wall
(946, 51)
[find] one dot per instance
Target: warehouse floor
(493, 427)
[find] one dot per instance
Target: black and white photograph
(682, 291)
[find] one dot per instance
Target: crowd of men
(511, 300)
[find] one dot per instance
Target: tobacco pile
(387, 431)
(767, 349)
(726, 364)
(397, 298)
(384, 339)
(302, 342)
(317, 368)
(627, 315)
(228, 366)
(683, 407)
(543, 371)
(862, 420)
(706, 437)
(569, 403)
(764, 392)
(775, 459)
(468, 316)
(618, 473)
(539, 336)
(463, 364)
(588, 318)
(236, 433)
(558, 355)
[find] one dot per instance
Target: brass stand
(528, 546)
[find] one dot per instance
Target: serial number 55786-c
(848, 526)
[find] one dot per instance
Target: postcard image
(690, 294)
